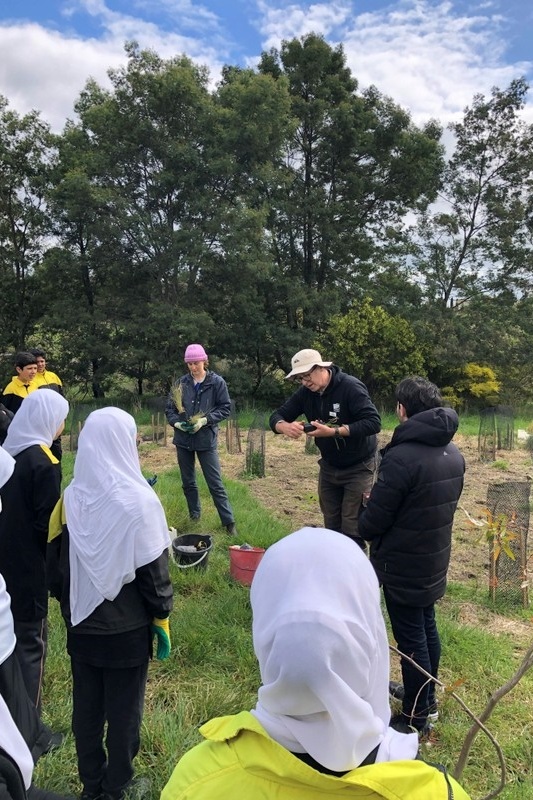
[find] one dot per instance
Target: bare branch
(496, 696)
(478, 721)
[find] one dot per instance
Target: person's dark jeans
(340, 493)
(416, 634)
(25, 716)
(210, 464)
(100, 694)
(30, 650)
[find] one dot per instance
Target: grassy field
(212, 669)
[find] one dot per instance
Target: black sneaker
(194, 517)
(396, 690)
(55, 741)
(404, 724)
(400, 724)
(231, 529)
(433, 712)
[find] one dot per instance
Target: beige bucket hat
(304, 361)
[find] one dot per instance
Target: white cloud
(128, 26)
(189, 14)
(299, 19)
(428, 58)
(44, 69)
(41, 69)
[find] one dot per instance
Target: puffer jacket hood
(435, 427)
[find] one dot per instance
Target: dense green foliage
(271, 212)
(378, 347)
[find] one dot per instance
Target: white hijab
(10, 737)
(7, 466)
(115, 520)
(322, 647)
(37, 421)
(7, 630)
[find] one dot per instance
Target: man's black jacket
(346, 400)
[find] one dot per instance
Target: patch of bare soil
(289, 492)
(473, 615)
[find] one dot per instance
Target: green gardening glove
(199, 424)
(182, 426)
(161, 629)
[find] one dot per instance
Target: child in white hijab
(320, 640)
(28, 499)
(20, 725)
(13, 748)
(320, 725)
(108, 551)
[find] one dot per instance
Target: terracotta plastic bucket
(185, 550)
(243, 563)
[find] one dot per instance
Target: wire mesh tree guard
(507, 534)
(255, 447)
(233, 434)
(496, 431)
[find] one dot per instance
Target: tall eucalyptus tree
(354, 166)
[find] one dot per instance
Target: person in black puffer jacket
(408, 521)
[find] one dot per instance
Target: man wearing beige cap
(345, 423)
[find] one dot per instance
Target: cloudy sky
(431, 57)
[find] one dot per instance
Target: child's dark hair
(418, 394)
(38, 352)
(24, 359)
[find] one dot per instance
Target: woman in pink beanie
(196, 404)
